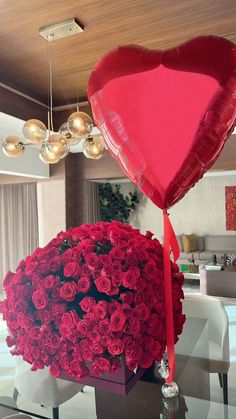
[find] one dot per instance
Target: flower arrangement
(94, 294)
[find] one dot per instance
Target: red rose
(71, 269)
(134, 354)
(20, 306)
(17, 278)
(10, 341)
(146, 360)
(142, 255)
(106, 271)
(35, 351)
(115, 234)
(130, 278)
(104, 326)
(179, 322)
(103, 363)
(85, 271)
(58, 308)
(91, 260)
(106, 340)
(39, 299)
(45, 316)
(94, 336)
(116, 347)
(87, 304)
(134, 325)
(97, 348)
(127, 310)
(42, 267)
(68, 291)
(127, 297)
(114, 365)
(131, 259)
(69, 319)
(116, 279)
(95, 369)
(131, 364)
(148, 343)
(148, 235)
(117, 254)
(75, 366)
(83, 284)
(150, 270)
(97, 236)
(157, 351)
(77, 254)
(142, 311)
(103, 284)
(81, 232)
(54, 340)
(31, 268)
(129, 343)
(114, 306)
(104, 260)
(117, 321)
(55, 370)
(88, 355)
(34, 332)
(67, 256)
(51, 281)
(101, 309)
(82, 327)
(87, 246)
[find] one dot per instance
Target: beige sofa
(207, 247)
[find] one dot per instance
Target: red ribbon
(170, 242)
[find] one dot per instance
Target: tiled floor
(82, 406)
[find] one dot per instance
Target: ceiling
(107, 23)
(157, 24)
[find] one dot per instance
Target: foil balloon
(165, 116)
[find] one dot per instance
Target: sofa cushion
(228, 243)
(189, 242)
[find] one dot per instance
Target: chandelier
(54, 146)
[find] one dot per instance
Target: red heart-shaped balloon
(165, 115)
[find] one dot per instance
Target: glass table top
(200, 397)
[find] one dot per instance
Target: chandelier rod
(50, 128)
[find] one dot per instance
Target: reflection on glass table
(145, 400)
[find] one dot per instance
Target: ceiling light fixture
(56, 146)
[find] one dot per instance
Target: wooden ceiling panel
(108, 23)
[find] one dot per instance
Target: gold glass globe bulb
(12, 147)
(58, 145)
(80, 125)
(46, 156)
(93, 147)
(64, 131)
(34, 131)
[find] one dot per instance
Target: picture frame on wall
(230, 208)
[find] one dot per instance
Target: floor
(82, 406)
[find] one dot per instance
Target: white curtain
(91, 202)
(18, 224)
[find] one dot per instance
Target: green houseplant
(114, 205)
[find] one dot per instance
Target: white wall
(201, 211)
(51, 200)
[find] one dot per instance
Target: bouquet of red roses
(94, 294)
